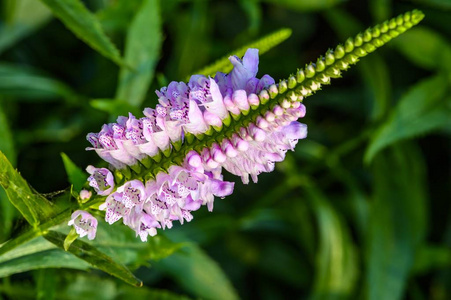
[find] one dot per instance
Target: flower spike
(169, 163)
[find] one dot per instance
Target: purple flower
(84, 224)
(101, 180)
(192, 177)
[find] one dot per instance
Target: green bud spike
(304, 83)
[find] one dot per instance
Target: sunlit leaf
(264, 45)
(76, 176)
(426, 48)
(142, 50)
(23, 18)
(397, 220)
(85, 26)
(306, 5)
(37, 254)
(422, 109)
(33, 206)
(94, 257)
(336, 260)
(198, 274)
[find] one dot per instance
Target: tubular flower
(169, 162)
(84, 224)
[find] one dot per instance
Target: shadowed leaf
(144, 39)
(85, 26)
(76, 176)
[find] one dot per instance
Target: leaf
(397, 220)
(114, 107)
(85, 26)
(37, 254)
(426, 48)
(28, 83)
(26, 16)
(196, 272)
(33, 206)
(46, 284)
(306, 5)
(94, 257)
(76, 176)
(86, 286)
(420, 110)
(264, 45)
(440, 4)
(336, 260)
(142, 50)
(431, 257)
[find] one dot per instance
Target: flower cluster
(169, 162)
(203, 107)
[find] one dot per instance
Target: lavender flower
(84, 224)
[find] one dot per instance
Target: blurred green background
(359, 211)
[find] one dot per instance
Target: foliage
(359, 210)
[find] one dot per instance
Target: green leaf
(397, 220)
(24, 17)
(37, 254)
(432, 257)
(426, 48)
(306, 5)
(114, 107)
(196, 272)
(29, 83)
(76, 176)
(440, 4)
(46, 284)
(264, 45)
(85, 26)
(336, 260)
(422, 109)
(33, 206)
(142, 50)
(94, 257)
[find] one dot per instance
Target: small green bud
(291, 82)
(273, 91)
(330, 59)
(400, 20)
(360, 52)
(393, 33)
(367, 35)
(300, 76)
(264, 96)
(349, 45)
(376, 32)
(392, 24)
(369, 47)
(384, 27)
(283, 86)
(377, 43)
(407, 16)
(358, 41)
(320, 65)
(339, 52)
(310, 71)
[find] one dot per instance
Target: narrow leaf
(397, 220)
(76, 176)
(26, 16)
(426, 48)
(46, 284)
(198, 273)
(142, 48)
(28, 83)
(336, 260)
(422, 109)
(264, 45)
(33, 206)
(94, 257)
(85, 26)
(306, 5)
